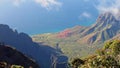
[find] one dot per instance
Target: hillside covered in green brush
(106, 57)
(80, 40)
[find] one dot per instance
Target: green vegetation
(107, 57)
(69, 46)
(16, 66)
(6, 65)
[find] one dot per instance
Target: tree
(100, 52)
(77, 62)
(113, 47)
(16, 66)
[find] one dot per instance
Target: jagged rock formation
(23, 43)
(10, 56)
(105, 28)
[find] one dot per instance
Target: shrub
(107, 57)
(16, 66)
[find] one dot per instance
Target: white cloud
(49, 4)
(86, 15)
(108, 6)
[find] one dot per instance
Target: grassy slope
(69, 46)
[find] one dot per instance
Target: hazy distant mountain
(23, 43)
(106, 27)
(13, 57)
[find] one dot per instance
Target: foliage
(77, 62)
(113, 47)
(70, 46)
(6, 65)
(16, 66)
(107, 57)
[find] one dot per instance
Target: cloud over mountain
(108, 6)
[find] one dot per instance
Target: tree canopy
(107, 57)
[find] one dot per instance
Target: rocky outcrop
(23, 43)
(10, 56)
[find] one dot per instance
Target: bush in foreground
(107, 57)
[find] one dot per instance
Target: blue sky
(44, 16)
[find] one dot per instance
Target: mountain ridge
(23, 43)
(13, 57)
(105, 28)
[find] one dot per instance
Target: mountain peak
(105, 28)
(106, 19)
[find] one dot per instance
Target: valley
(81, 41)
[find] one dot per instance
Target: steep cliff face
(106, 27)
(23, 43)
(13, 57)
